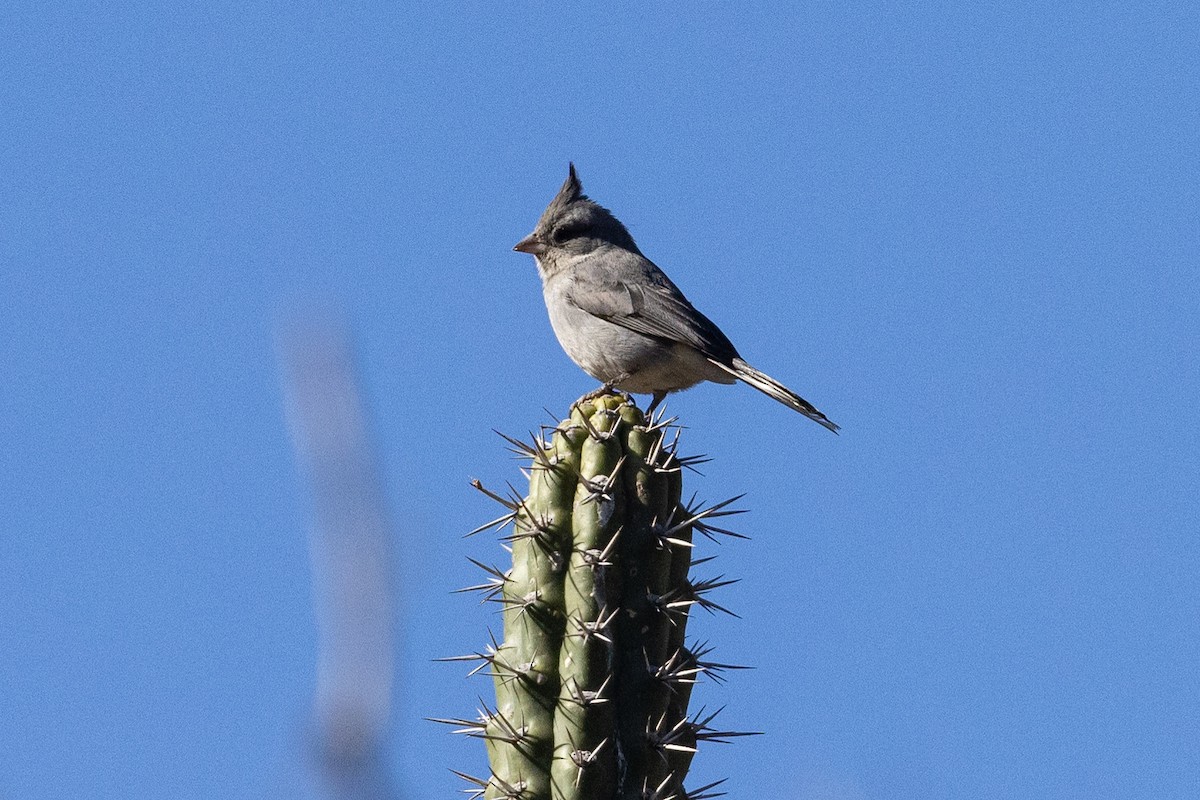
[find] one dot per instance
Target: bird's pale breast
(607, 351)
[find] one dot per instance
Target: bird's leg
(654, 401)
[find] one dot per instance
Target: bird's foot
(608, 387)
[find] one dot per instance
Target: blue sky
(968, 233)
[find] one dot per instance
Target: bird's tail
(773, 388)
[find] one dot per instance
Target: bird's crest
(571, 191)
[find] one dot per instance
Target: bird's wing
(649, 304)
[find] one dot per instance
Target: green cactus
(593, 677)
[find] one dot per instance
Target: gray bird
(621, 319)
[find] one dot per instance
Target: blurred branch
(351, 559)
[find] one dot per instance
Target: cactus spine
(593, 676)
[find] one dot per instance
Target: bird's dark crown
(573, 218)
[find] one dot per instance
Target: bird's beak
(531, 244)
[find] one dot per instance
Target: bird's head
(573, 225)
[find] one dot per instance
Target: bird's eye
(566, 233)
